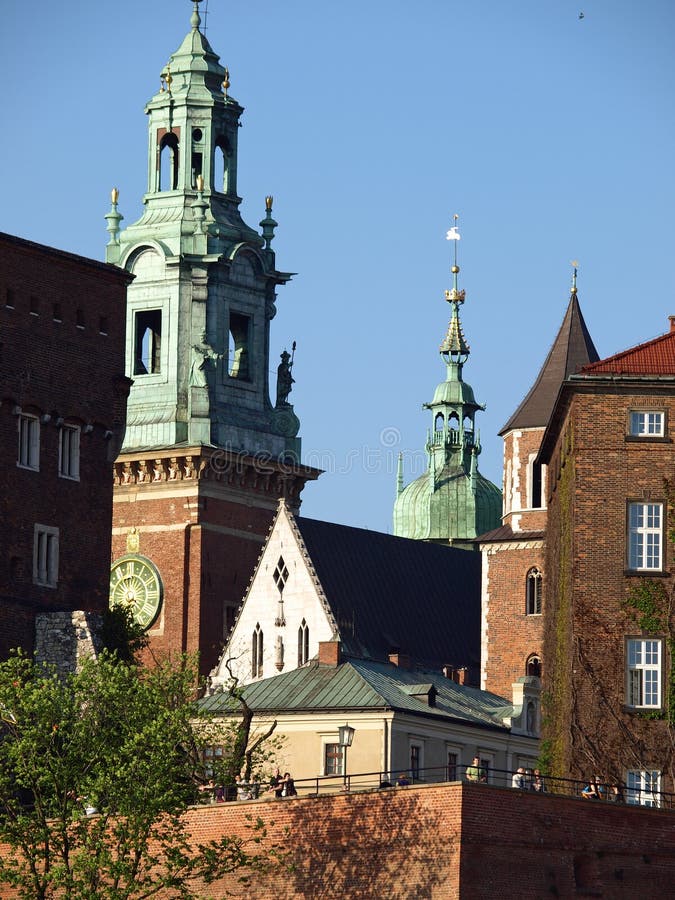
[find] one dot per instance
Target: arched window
(453, 422)
(533, 592)
(257, 652)
(221, 165)
(533, 666)
(168, 163)
(438, 422)
(303, 643)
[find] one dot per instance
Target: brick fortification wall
(460, 840)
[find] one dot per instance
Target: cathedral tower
(206, 453)
(451, 502)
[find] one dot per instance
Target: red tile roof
(655, 357)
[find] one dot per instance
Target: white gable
(263, 609)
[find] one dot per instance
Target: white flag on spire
(453, 234)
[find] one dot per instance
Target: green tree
(118, 739)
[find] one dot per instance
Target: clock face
(136, 585)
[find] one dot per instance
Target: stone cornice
(196, 464)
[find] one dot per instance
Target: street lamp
(345, 738)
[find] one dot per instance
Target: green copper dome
(451, 502)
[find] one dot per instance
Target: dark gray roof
(572, 349)
(506, 533)
(359, 684)
(389, 593)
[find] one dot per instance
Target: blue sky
(372, 123)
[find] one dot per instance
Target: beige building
(416, 722)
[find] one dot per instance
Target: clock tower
(206, 454)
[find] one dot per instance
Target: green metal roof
(358, 685)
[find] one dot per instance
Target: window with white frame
(69, 452)
(333, 759)
(29, 442)
(643, 787)
(257, 652)
(645, 530)
(46, 555)
(643, 671)
(533, 593)
(647, 423)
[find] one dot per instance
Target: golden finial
(226, 81)
(169, 79)
(269, 199)
(200, 182)
(114, 195)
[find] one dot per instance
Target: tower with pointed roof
(451, 502)
(514, 576)
(206, 453)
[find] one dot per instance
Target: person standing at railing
(518, 779)
(538, 782)
(476, 772)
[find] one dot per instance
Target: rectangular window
(46, 555)
(645, 536)
(29, 442)
(69, 452)
(643, 788)
(647, 424)
(415, 761)
(333, 760)
(452, 766)
(643, 671)
(148, 342)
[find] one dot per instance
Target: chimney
(671, 319)
(459, 676)
(400, 659)
(329, 653)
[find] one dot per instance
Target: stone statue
(285, 380)
(201, 354)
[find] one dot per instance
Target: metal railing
(567, 787)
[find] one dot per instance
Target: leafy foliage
(119, 739)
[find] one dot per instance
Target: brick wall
(460, 840)
(61, 359)
(595, 472)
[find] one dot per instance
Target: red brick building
(514, 572)
(62, 405)
(609, 624)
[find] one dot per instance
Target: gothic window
(29, 442)
(69, 452)
(453, 422)
(438, 422)
(280, 578)
(303, 643)
(46, 555)
(257, 652)
(238, 347)
(148, 342)
(168, 163)
(645, 527)
(533, 593)
(643, 673)
(533, 666)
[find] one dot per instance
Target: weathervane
(454, 294)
